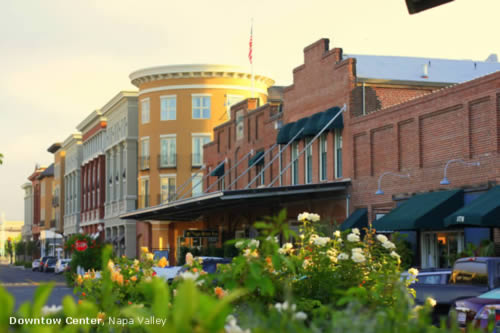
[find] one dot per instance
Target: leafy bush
(85, 259)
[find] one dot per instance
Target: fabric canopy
(256, 158)
(358, 219)
(482, 212)
(328, 115)
(218, 171)
(282, 138)
(312, 125)
(422, 211)
(298, 125)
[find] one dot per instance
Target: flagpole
(251, 59)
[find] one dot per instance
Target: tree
(1, 158)
(9, 249)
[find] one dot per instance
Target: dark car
(209, 264)
(50, 265)
(478, 310)
(43, 261)
(470, 277)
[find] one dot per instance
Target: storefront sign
(201, 233)
(81, 245)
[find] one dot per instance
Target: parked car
(470, 277)
(431, 276)
(43, 261)
(61, 265)
(477, 309)
(35, 265)
(50, 265)
(167, 273)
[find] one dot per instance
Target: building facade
(72, 183)
(121, 171)
(58, 191)
(178, 108)
(26, 232)
(36, 188)
(93, 172)
(352, 129)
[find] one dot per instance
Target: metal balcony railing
(161, 199)
(167, 161)
(144, 162)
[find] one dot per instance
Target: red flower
(154, 273)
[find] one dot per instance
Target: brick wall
(420, 136)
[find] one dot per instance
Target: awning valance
(297, 126)
(328, 115)
(358, 219)
(482, 212)
(218, 171)
(256, 158)
(312, 126)
(422, 211)
(283, 134)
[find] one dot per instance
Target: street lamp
(379, 190)
(445, 180)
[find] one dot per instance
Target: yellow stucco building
(179, 106)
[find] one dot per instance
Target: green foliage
(86, 259)
(404, 249)
(1, 158)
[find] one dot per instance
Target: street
(22, 283)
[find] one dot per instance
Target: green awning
(298, 125)
(218, 171)
(482, 212)
(283, 134)
(358, 219)
(422, 211)
(312, 126)
(327, 116)
(255, 158)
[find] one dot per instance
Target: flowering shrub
(125, 275)
(85, 259)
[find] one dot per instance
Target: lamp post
(445, 180)
(379, 190)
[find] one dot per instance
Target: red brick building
(93, 173)
(401, 116)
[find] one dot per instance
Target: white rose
(254, 243)
(389, 245)
(337, 233)
(302, 217)
(355, 231)
(431, 301)
(300, 316)
(314, 217)
(321, 241)
(353, 238)
(382, 238)
(343, 256)
(357, 250)
(358, 257)
(413, 271)
(394, 255)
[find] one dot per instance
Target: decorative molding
(203, 86)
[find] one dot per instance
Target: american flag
(250, 44)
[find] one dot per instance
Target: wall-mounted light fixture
(445, 180)
(379, 190)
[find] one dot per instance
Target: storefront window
(441, 249)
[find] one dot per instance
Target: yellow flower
(144, 249)
(150, 256)
(136, 262)
(79, 279)
(133, 278)
(86, 276)
(163, 262)
(117, 277)
(431, 301)
(111, 265)
(189, 259)
(101, 316)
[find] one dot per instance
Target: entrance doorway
(440, 249)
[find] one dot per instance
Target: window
(201, 106)
(197, 185)
(144, 153)
(198, 141)
(323, 143)
(167, 188)
(168, 151)
(144, 192)
(239, 125)
(42, 191)
(308, 162)
(338, 153)
(145, 111)
(42, 214)
(168, 108)
(261, 178)
(295, 163)
(230, 101)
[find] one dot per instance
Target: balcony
(167, 161)
(196, 160)
(144, 162)
(159, 198)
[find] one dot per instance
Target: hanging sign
(201, 233)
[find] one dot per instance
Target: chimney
(425, 73)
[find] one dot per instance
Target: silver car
(61, 265)
(35, 265)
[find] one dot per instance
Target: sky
(60, 59)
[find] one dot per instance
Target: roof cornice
(95, 116)
(194, 71)
(117, 99)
